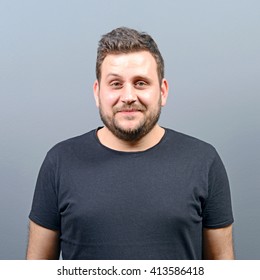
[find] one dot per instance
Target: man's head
(130, 88)
(126, 40)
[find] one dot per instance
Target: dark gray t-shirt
(152, 204)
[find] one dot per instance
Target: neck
(108, 139)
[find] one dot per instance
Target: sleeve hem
(43, 224)
(220, 225)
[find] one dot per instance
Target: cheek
(149, 98)
(108, 98)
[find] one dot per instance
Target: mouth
(129, 110)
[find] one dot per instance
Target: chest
(130, 193)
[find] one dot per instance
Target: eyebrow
(112, 75)
(137, 77)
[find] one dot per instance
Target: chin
(129, 128)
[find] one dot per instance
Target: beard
(144, 126)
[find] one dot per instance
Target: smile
(129, 111)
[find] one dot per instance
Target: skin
(128, 96)
(43, 243)
(218, 244)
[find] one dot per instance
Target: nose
(128, 95)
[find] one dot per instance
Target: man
(131, 189)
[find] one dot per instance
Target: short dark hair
(127, 40)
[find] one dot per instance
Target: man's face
(129, 95)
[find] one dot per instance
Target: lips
(129, 110)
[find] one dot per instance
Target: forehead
(142, 61)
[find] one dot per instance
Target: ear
(164, 92)
(96, 92)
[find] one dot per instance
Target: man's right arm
(43, 243)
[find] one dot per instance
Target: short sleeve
(217, 212)
(44, 209)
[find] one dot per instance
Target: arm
(218, 243)
(43, 243)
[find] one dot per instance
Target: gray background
(47, 61)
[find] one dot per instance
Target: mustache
(129, 108)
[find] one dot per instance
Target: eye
(116, 84)
(140, 84)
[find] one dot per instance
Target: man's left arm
(218, 243)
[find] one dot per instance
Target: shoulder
(73, 145)
(190, 143)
